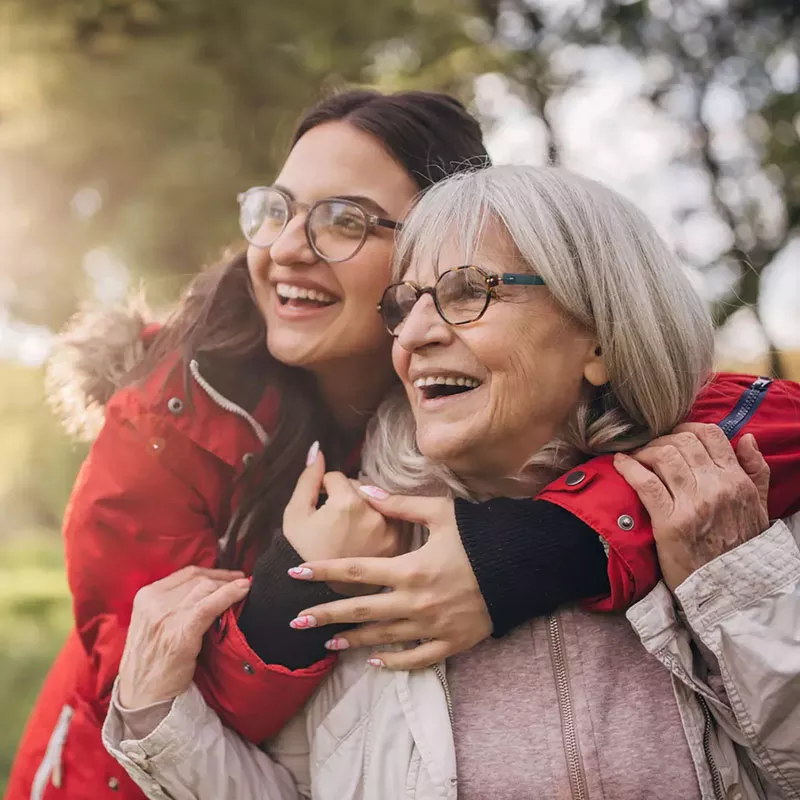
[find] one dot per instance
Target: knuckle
(354, 571)
(205, 584)
(414, 574)
(668, 453)
(713, 433)
(389, 636)
(424, 604)
(685, 438)
(362, 613)
(651, 484)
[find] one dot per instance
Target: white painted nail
(374, 492)
(301, 572)
(313, 452)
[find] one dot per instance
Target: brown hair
(218, 323)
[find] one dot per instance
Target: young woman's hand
(168, 622)
(703, 497)
(435, 597)
(345, 525)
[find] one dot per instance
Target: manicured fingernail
(755, 443)
(374, 492)
(243, 583)
(375, 662)
(303, 573)
(313, 452)
(303, 621)
(337, 644)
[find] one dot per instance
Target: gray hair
(606, 266)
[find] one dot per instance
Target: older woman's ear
(595, 369)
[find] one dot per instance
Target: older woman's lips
(435, 391)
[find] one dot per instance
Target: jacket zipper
(225, 404)
(448, 699)
(577, 780)
(716, 780)
(50, 768)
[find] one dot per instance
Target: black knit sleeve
(274, 601)
(530, 557)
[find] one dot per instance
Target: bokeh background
(128, 126)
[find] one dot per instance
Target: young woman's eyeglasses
(461, 295)
(336, 228)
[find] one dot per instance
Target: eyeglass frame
(372, 220)
(493, 280)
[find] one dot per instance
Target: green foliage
(38, 461)
(167, 110)
(35, 614)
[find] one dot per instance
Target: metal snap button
(247, 459)
(113, 784)
(248, 668)
(175, 405)
(574, 478)
(626, 522)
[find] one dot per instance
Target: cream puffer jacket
(376, 734)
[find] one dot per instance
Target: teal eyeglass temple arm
(511, 278)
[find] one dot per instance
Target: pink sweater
(514, 732)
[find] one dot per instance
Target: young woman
(200, 451)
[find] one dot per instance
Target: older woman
(510, 367)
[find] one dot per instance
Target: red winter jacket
(156, 485)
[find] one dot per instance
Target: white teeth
(446, 380)
(291, 292)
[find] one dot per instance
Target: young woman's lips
(300, 307)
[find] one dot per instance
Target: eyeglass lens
(461, 296)
(336, 228)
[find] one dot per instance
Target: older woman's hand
(435, 596)
(703, 498)
(169, 619)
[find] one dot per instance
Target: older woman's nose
(423, 326)
(292, 246)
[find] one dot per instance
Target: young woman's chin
(296, 349)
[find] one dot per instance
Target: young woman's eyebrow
(367, 202)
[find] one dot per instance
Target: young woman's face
(339, 321)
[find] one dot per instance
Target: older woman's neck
(354, 388)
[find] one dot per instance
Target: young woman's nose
(292, 246)
(423, 326)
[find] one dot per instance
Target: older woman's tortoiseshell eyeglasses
(461, 295)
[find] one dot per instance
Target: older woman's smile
(442, 384)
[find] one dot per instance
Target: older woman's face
(529, 358)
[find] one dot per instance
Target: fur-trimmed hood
(91, 357)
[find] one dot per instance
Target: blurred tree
(134, 123)
(696, 55)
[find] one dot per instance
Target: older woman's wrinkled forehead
(490, 248)
(441, 244)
